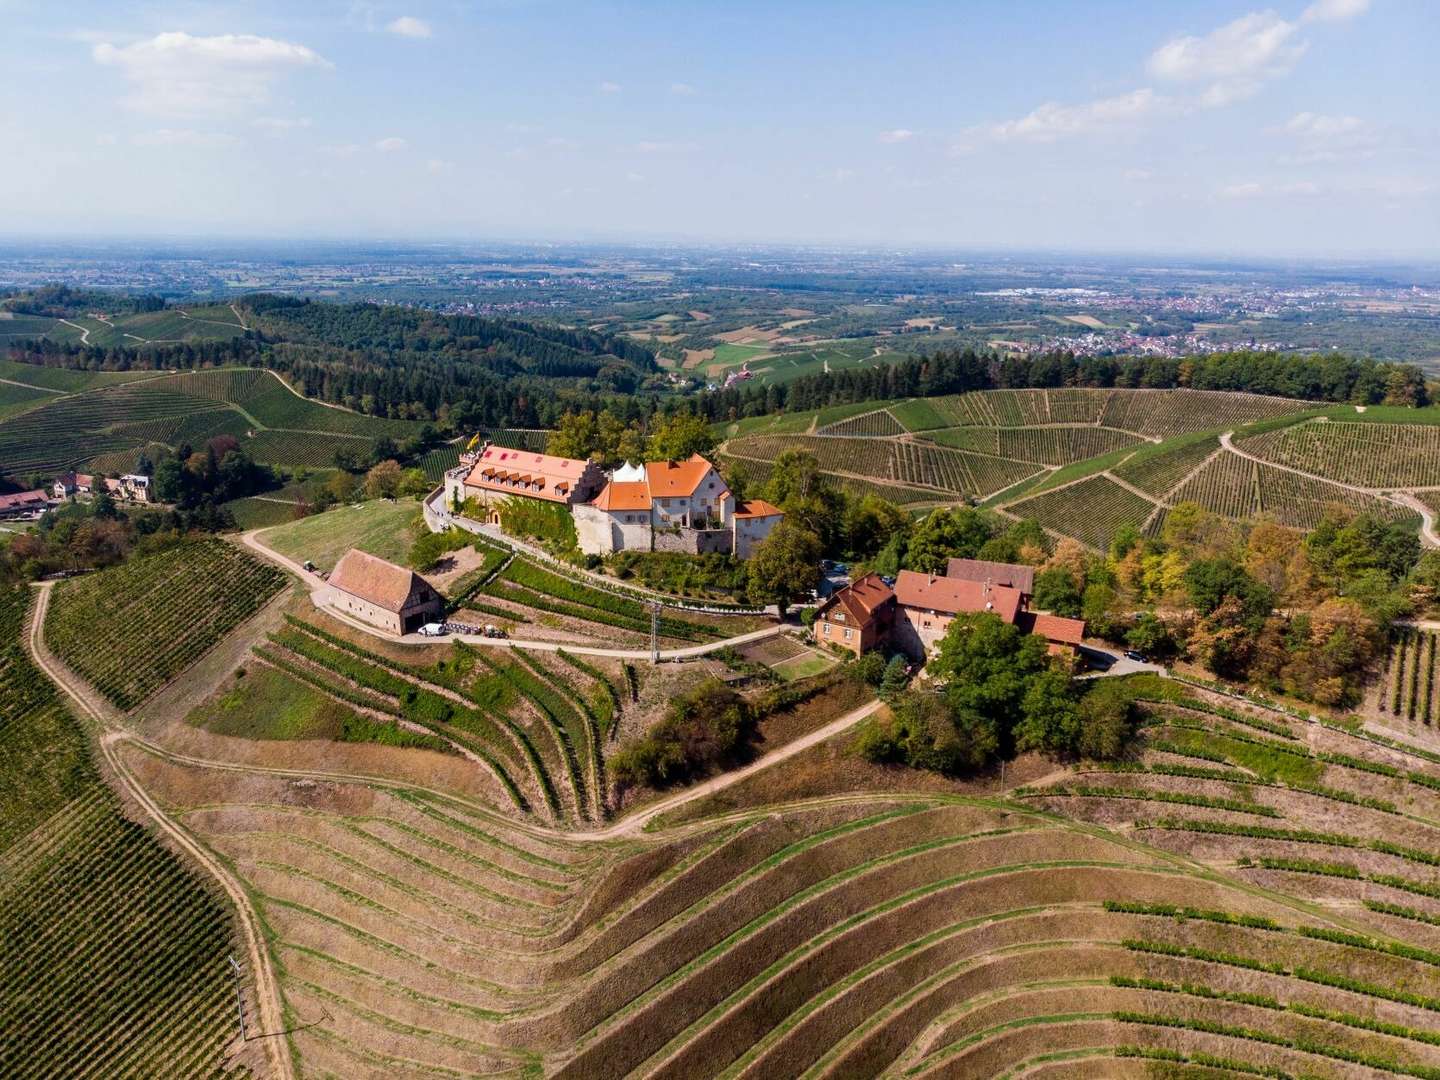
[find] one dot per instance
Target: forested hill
(387, 361)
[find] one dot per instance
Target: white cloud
(1309, 125)
(1236, 59)
(341, 149)
(683, 89)
(897, 135)
(390, 145)
(1255, 190)
(1054, 121)
(184, 137)
(180, 74)
(608, 87)
(1335, 10)
(276, 125)
(409, 26)
(438, 165)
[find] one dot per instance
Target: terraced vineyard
(1090, 511)
(131, 629)
(113, 954)
(1406, 688)
(1363, 454)
(1248, 893)
(872, 424)
(1159, 472)
(913, 464)
(1042, 445)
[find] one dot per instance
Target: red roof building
(857, 617)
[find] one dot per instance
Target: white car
(432, 629)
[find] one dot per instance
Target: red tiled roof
(23, 499)
(1014, 575)
(954, 595)
(381, 583)
(860, 599)
(676, 478)
(757, 508)
(1054, 628)
(624, 495)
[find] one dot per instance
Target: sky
(1308, 128)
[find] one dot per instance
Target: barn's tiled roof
(951, 596)
(382, 583)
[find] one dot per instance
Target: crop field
(1042, 445)
(1228, 485)
(66, 380)
(113, 955)
(910, 464)
(1163, 413)
(1090, 511)
(131, 629)
(870, 425)
(1406, 688)
(1364, 454)
(1247, 890)
(138, 328)
(1158, 471)
(16, 399)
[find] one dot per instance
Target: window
(827, 629)
(848, 633)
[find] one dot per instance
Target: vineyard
(912, 464)
(133, 628)
(869, 425)
(1091, 511)
(1042, 445)
(1406, 688)
(110, 425)
(1363, 454)
(1249, 893)
(1157, 472)
(113, 956)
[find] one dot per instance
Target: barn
(382, 594)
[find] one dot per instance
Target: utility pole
(239, 1000)
(655, 632)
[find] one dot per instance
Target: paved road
(262, 973)
(315, 585)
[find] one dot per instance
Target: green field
(381, 527)
(171, 326)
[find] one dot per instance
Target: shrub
(705, 728)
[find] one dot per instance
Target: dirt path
(84, 334)
(1427, 517)
(267, 990)
(32, 386)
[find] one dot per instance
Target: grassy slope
(380, 527)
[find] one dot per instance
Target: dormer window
(839, 616)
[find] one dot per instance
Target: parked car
(432, 629)
(1138, 657)
(309, 566)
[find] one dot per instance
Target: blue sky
(1306, 128)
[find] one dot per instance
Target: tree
(1056, 590)
(703, 729)
(1049, 719)
(895, 679)
(678, 436)
(1150, 636)
(574, 436)
(341, 486)
(870, 523)
(1106, 720)
(1212, 582)
(383, 480)
(959, 532)
(414, 482)
(785, 565)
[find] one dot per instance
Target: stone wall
(693, 541)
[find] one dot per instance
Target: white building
(681, 506)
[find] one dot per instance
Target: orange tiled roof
(954, 595)
(541, 476)
(1055, 628)
(757, 508)
(860, 599)
(676, 478)
(624, 495)
(381, 583)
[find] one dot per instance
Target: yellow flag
(473, 440)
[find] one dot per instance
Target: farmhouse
(495, 474)
(382, 594)
(135, 487)
(672, 506)
(72, 483)
(927, 604)
(858, 617)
